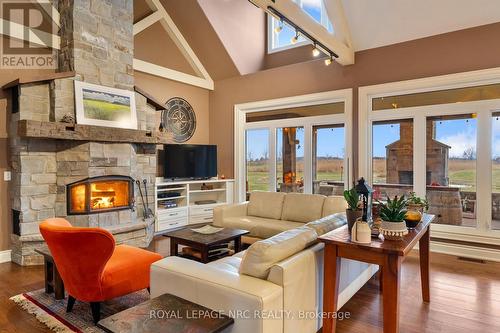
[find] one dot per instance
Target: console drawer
(171, 214)
(170, 224)
(201, 210)
(207, 218)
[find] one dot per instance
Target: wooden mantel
(76, 132)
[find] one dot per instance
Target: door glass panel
(328, 159)
(290, 159)
(257, 160)
(392, 162)
(451, 169)
(495, 179)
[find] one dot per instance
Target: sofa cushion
(334, 204)
(260, 227)
(328, 223)
(304, 208)
(262, 255)
(229, 264)
(266, 204)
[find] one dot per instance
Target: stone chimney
(97, 41)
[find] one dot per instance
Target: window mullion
(484, 171)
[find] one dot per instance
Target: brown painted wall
(460, 51)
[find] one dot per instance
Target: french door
(448, 153)
(297, 155)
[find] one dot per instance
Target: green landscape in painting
(105, 106)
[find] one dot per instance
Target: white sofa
(276, 285)
(269, 213)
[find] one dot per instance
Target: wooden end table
(202, 242)
(388, 255)
(53, 281)
(166, 313)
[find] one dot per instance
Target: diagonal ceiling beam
(337, 17)
(341, 46)
(160, 15)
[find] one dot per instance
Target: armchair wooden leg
(71, 302)
(96, 311)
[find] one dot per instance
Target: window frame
(240, 126)
(484, 110)
(271, 25)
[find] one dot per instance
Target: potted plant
(416, 206)
(353, 212)
(393, 214)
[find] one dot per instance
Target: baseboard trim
(5, 256)
(355, 285)
(461, 250)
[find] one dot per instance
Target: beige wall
(460, 51)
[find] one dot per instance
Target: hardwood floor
(465, 298)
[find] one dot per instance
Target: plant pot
(393, 230)
(352, 216)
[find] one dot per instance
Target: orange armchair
(92, 268)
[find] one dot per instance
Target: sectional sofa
(276, 285)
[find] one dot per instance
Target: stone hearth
(96, 47)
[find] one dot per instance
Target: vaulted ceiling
(229, 36)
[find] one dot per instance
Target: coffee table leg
(174, 251)
(58, 284)
(49, 276)
(204, 255)
(237, 244)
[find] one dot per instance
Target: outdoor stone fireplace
(79, 172)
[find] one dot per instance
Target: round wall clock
(180, 119)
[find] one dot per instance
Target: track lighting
(328, 61)
(316, 52)
(279, 27)
(295, 38)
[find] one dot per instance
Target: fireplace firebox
(100, 194)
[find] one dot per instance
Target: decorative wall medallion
(180, 119)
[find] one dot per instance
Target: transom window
(281, 35)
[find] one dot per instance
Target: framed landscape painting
(103, 106)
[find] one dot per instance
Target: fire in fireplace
(100, 194)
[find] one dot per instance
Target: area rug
(52, 312)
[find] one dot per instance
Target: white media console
(179, 203)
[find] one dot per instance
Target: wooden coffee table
(53, 281)
(388, 255)
(202, 242)
(166, 313)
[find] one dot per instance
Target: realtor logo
(29, 30)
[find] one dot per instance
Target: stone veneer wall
(43, 168)
(97, 41)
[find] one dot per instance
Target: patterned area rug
(52, 312)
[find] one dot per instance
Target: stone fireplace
(82, 173)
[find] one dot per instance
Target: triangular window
(281, 35)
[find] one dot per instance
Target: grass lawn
(461, 172)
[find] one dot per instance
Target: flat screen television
(190, 161)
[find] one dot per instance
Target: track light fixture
(318, 47)
(328, 61)
(316, 52)
(279, 27)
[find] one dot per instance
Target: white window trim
(270, 39)
(240, 126)
(460, 80)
